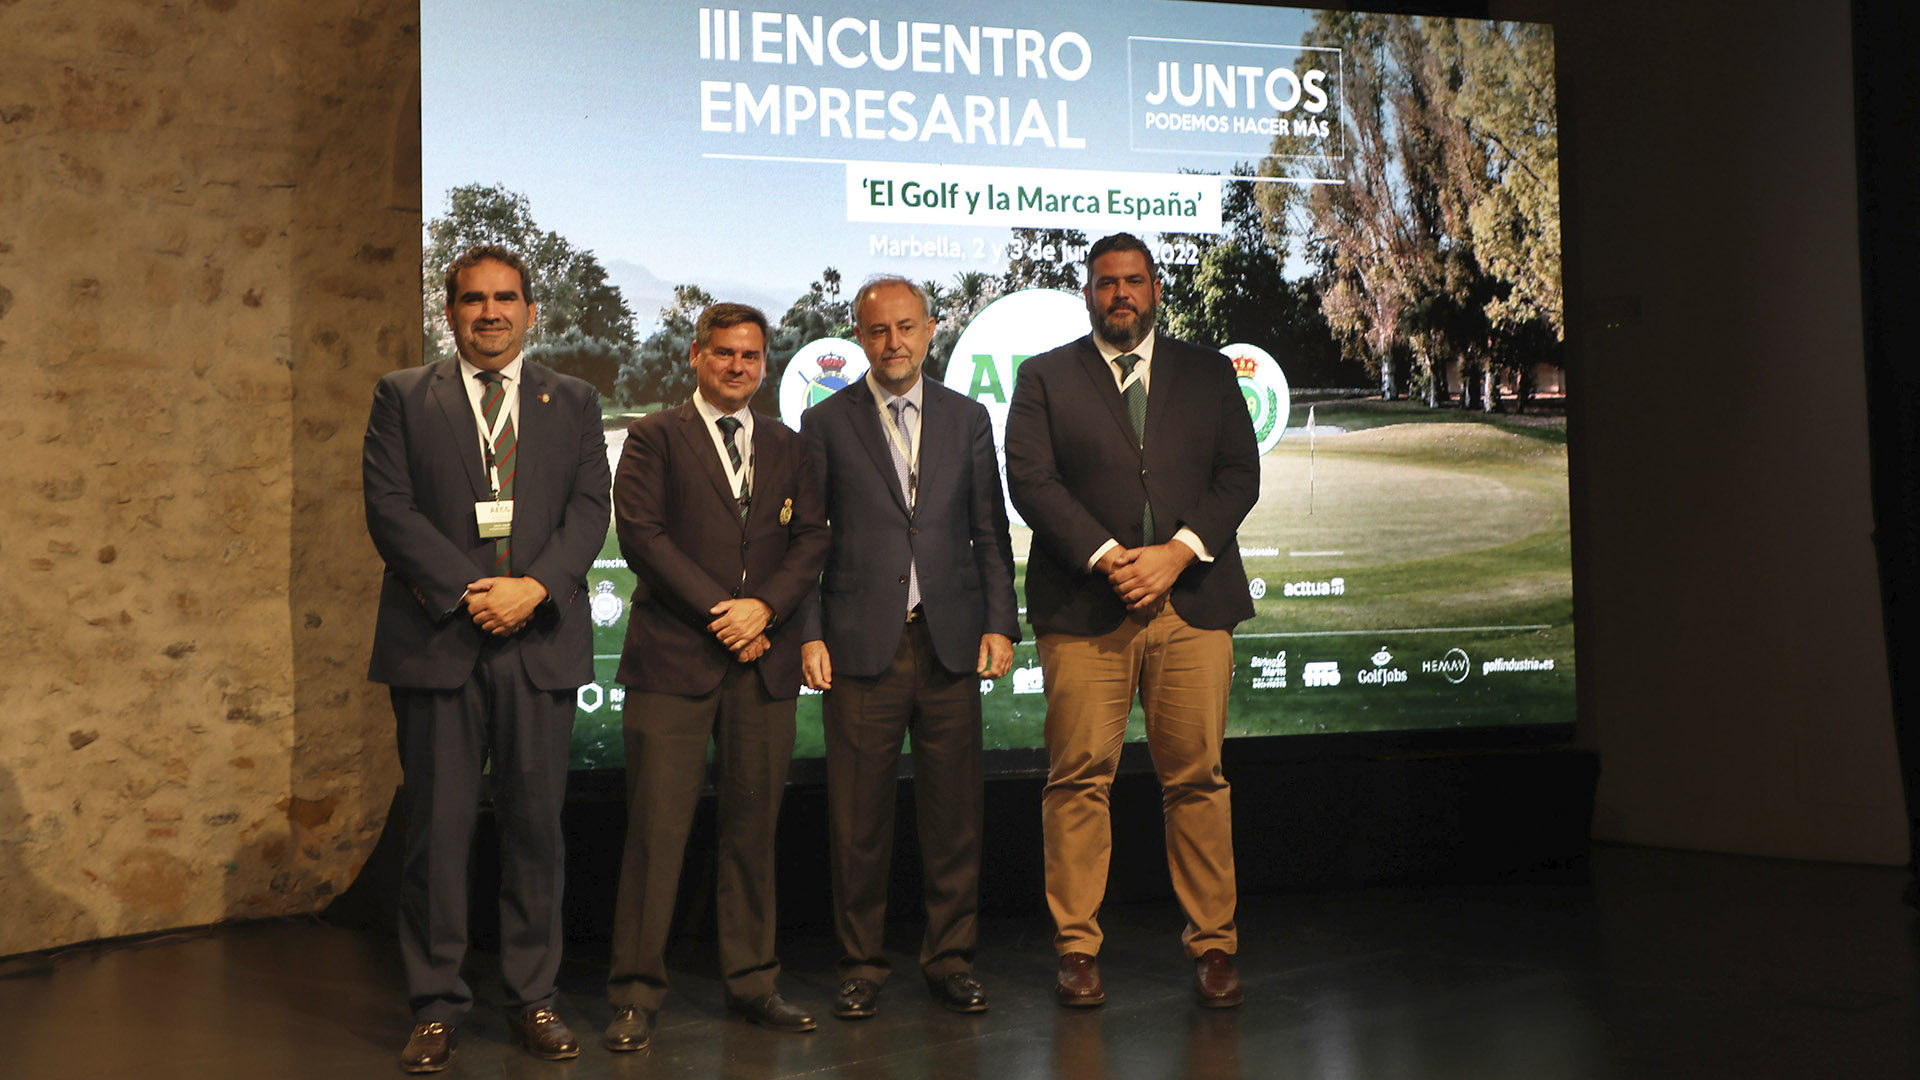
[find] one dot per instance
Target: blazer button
(903, 579)
(913, 532)
(1143, 474)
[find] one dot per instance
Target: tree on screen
(1441, 249)
(658, 373)
(956, 305)
(585, 327)
(1044, 259)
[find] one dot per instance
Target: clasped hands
(1142, 576)
(741, 626)
(502, 605)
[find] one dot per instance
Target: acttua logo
(1320, 673)
(1454, 667)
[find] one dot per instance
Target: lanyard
(490, 439)
(740, 481)
(899, 439)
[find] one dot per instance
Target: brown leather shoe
(1079, 985)
(631, 1029)
(429, 1048)
(545, 1035)
(1215, 982)
(771, 1011)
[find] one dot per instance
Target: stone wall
(209, 230)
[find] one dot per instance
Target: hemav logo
(1454, 666)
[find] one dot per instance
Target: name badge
(495, 518)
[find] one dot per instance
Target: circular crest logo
(815, 372)
(605, 606)
(1264, 386)
(1256, 587)
(992, 347)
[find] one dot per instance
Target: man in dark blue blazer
(915, 608)
(1133, 459)
(486, 491)
(718, 515)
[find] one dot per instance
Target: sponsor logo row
(1269, 672)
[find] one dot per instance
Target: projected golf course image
(1409, 566)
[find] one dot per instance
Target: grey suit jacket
(421, 473)
(957, 535)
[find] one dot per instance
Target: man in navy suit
(486, 490)
(1132, 457)
(916, 607)
(718, 515)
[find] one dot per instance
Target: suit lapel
(873, 437)
(1164, 385)
(1101, 376)
(941, 452)
(538, 434)
(769, 470)
(693, 434)
(450, 399)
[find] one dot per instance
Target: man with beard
(1133, 459)
(916, 609)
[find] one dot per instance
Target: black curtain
(1887, 146)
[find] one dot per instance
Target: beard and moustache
(1121, 335)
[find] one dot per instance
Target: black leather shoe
(631, 1029)
(1079, 983)
(857, 1000)
(429, 1048)
(772, 1012)
(958, 992)
(1215, 983)
(545, 1035)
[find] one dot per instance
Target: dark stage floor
(1668, 965)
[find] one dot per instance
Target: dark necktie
(502, 457)
(902, 468)
(1135, 396)
(728, 426)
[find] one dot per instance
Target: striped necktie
(503, 457)
(1136, 399)
(729, 426)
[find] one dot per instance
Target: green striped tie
(1136, 399)
(502, 456)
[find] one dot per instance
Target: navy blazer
(1079, 478)
(957, 534)
(421, 473)
(681, 533)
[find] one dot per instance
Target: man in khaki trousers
(1133, 459)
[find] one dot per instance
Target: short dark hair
(480, 253)
(880, 281)
(1119, 241)
(724, 315)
